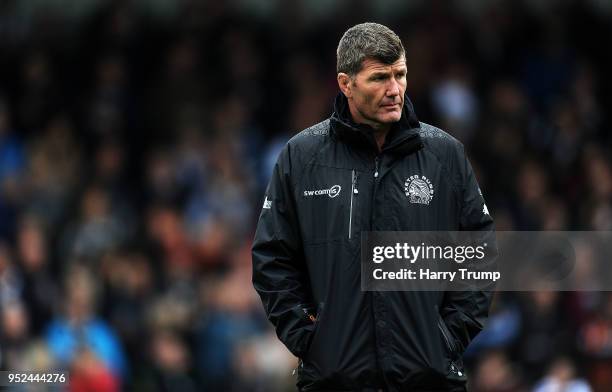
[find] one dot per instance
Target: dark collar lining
(403, 138)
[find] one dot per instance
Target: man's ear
(344, 83)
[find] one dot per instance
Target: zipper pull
(376, 161)
(455, 369)
(355, 190)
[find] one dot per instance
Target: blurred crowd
(137, 138)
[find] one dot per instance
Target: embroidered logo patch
(418, 189)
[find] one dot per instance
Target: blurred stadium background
(136, 140)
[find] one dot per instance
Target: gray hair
(367, 40)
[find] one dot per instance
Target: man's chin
(390, 118)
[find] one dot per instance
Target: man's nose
(393, 88)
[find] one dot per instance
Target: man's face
(376, 93)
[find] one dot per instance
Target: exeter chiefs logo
(419, 189)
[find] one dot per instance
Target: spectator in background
(562, 377)
(89, 374)
(263, 363)
(168, 235)
(40, 91)
(14, 334)
(99, 227)
(544, 333)
(170, 365)
(12, 166)
(502, 329)
(11, 282)
(54, 171)
(109, 98)
(78, 331)
(496, 373)
(595, 343)
(40, 291)
(130, 286)
(230, 319)
(597, 211)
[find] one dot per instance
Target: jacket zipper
(354, 191)
(449, 344)
(376, 165)
(454, 368)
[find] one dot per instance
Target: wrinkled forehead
(371, 65)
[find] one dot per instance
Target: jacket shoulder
(440, 143)
(311, 136)
(437, 139)
(449, 151)
(307, 143)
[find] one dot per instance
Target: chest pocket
(327, 199)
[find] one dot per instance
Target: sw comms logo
(331, 192)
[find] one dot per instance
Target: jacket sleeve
(465, 311)
(279, 270)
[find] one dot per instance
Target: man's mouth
(390, 105)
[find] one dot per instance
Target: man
(372, 166)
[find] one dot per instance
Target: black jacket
(329, 184)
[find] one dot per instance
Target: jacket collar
(403, 137)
